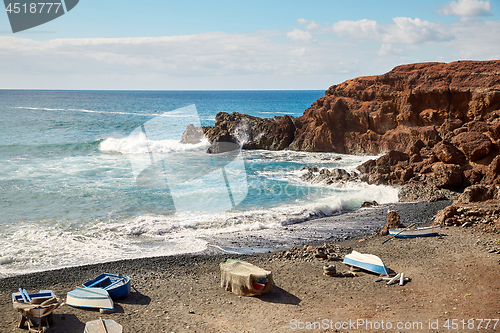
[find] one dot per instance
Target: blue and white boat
(90, 298)
(417, 232)
(116, 285)
(368, 262)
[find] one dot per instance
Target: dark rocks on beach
(326, 252)
(393, 221)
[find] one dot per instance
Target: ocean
(95, 176)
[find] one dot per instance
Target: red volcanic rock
(493, 172)
(436, 123)
(447, 175)
(398, 106)
(448, 153)
(474, 145)
(393, 221)
(448, 126)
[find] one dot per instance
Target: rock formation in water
(437, 124)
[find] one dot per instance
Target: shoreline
(334, 228)
(452, 276)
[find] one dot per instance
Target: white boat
(103, 325)
(368, 262)
(417, 232)
(90, 298)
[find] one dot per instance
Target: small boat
(368, 262)
(116, 285)
(103, 325)
(90, 298)
(23, 296)
(36, 309)
(417, 232)
(245, 279)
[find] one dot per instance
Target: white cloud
(310, 25)
(466, 8)
(297, 34)
(357, 29)
(387, 50)
(404, 30)
(413, 31)
(159, 62)
(259, 60)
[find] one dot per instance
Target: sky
(240, 45)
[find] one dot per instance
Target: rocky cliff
(438, 123)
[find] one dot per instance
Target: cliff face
(374, 114)
(438, 123)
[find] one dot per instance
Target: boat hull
(116, 285)
(368, 262)
(90, 298)
(418, 232)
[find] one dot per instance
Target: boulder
(192, 135)
(447, 175)
(448, 153)
(393, 221)
(476, 193)
(474, 145)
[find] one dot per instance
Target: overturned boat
(368, 262)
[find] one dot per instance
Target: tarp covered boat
(245, 279)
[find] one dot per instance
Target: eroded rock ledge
(437, 124)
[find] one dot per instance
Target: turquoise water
(71, 162)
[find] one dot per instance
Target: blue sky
(241, 44)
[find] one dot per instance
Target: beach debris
(329, 270)
(393, 279)
(325, 252)
(393, 221)
(245, 279)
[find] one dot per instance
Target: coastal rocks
(326, 252)
(252, 132)
(192, 135)
(479, 216)
(326, 176)
(376, 113)
(393, 221)
(448, 153)
(474, 145)
(447, 175)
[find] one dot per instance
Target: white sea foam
(140, 144)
